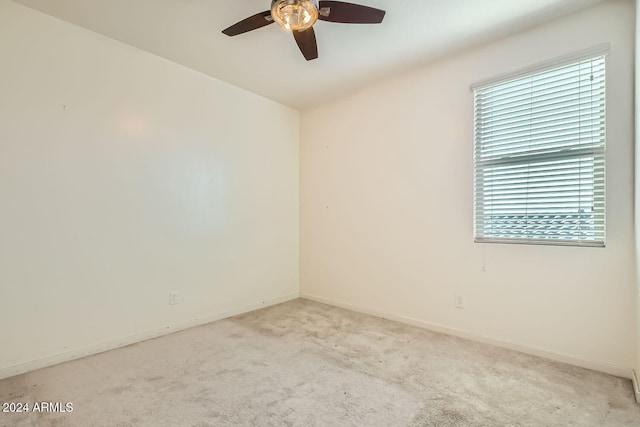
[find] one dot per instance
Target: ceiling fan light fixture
(295, 15)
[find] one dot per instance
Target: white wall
(386, 217)
(122, 177)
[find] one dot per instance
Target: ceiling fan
(298, 16)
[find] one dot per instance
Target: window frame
(531, 157)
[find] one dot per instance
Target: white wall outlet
(173, 298)
(459, 301)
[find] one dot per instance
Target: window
(539, 155)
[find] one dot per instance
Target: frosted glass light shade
(294, 15)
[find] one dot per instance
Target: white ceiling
(267, 61)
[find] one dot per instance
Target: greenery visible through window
(539, 156)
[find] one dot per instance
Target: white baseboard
(132, 339)
(636, 386)
(606, 368)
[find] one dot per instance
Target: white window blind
(539, 156)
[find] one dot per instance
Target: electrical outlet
(173, 298)
(459, 301)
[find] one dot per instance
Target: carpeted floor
(307, 364)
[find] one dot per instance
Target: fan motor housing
(314, 2)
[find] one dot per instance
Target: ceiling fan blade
(307, 43)
(254, 22)
(349, 13)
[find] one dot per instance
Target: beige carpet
(307, 364)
